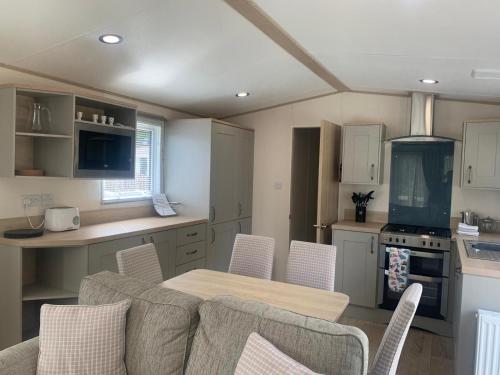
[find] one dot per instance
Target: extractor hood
(422, 120)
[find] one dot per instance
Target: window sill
(125, 200)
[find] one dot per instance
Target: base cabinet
(221, 242)
(356, 266)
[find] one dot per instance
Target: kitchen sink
(483, 250)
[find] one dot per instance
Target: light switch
(278, 185)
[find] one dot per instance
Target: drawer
(194, 265)
(190, 252)
(191, 234)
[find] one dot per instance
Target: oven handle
(420, 254)
(428, 279)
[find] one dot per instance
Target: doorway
(304, 187)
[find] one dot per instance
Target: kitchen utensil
(468, 217)
(58, 219)
(487, 225)
(38, 123)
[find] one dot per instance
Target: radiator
(488, 343)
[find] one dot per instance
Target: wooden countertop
(368, 227)
(316, 303)
(477, 267)
(104, 232)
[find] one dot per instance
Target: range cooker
(429, 266)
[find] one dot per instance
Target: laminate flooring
(424, 353)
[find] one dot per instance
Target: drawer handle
(470, 174)
(192, 234)
(191, 252)
(372, 172)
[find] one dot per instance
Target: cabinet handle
(191, 252)
(470, 174)
(239, 227)
(371, 247)
(192, 234)
(213, 213)
(240, 209)
(372, 173)
(213, 235)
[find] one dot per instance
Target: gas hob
(416, 236)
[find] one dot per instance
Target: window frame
(161, 123)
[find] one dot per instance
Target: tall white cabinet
(362, 154)
(481, 155)
(209, 170)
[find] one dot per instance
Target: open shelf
(106, 125)
(43, 135)
(37, 292)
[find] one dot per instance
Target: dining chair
(311, 264)
(252, 256)
(140, 262)
(387, 358)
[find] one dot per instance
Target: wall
(271, 202)
(84, 194)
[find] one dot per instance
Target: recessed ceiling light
(242, 94)
(428, 81)
(110, 38)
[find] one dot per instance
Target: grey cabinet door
(244, 226)
(220, 248)
(244, 172)
(362, 154)
(102, 256)
(223, 202)
(356, 266)
(481, 160)
(165, 244)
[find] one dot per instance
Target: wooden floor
(423, 354)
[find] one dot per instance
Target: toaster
(58, 219)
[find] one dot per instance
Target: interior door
(328, 181)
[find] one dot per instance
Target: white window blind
(147, 166)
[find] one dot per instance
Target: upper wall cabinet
(37, 129)
(363, 154)
(481, 155)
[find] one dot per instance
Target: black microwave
(104, 152)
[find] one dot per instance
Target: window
(147, 166)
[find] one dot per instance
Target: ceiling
(195, 55)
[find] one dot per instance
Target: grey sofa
(169, 332)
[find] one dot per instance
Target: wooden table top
(316, 303)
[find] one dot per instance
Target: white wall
(84, 194)
(271, 206)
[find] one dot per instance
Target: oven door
(434, 300)
(428, 262)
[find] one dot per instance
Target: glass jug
(38, 123)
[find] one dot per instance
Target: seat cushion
(160, 326)
(227, 322)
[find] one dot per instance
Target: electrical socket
(47, 200)
(31, 200)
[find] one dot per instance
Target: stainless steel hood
(422, 120)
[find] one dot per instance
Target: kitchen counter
(477, 267)
(367, 227)
(90, 234)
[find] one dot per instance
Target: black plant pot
(360, 214)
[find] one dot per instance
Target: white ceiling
(188, 54)
(196, 54)
(388, 45)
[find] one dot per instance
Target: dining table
(311, 302)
